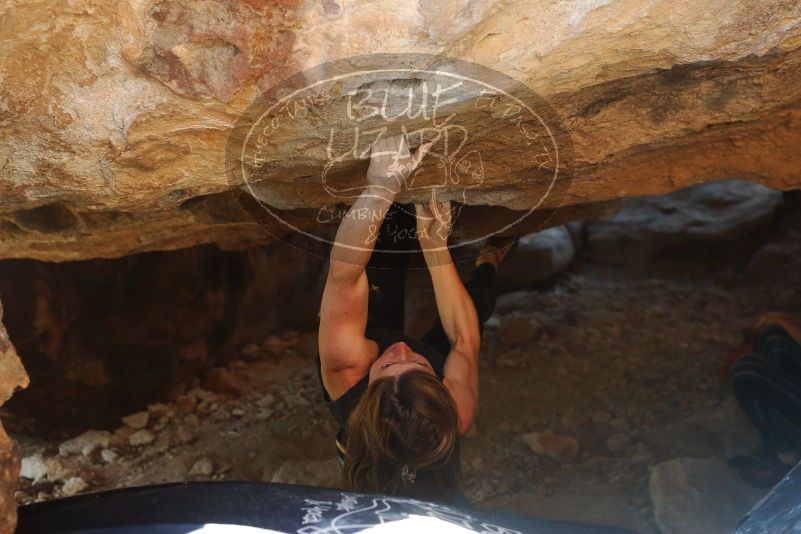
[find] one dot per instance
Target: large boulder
(699, 496)
(706, 213)
(540, 256)
(115, 116)
(12, 376)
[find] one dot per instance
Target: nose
(401, 350)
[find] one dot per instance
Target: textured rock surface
(114, 116)
(12, 376)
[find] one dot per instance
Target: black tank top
(342, 407)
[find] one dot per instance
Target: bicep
(461, 380)
(343, 318)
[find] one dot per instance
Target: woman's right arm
(345, 354)
(343, 312)
(460, 322)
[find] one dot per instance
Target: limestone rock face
(12, 376)
(114, 116)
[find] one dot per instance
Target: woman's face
(397, 359)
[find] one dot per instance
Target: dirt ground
(622, 360)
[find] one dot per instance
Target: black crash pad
(265, 507)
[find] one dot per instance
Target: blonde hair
(403, 439)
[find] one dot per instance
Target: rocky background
(612, 344)
(140, 282)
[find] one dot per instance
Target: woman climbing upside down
(402, 404)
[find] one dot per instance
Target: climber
(402, 404)
(765, 374)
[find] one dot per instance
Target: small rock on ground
(33, 468)
(85, 443)
(108, 455)
(517, 330)
(73, 486)
(560, 448)
(137, 420)
(202, 467)
(140, 437)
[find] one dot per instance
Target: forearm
(357, 233)
(454, 304)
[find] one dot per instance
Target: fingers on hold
(401, 145)
(424, 148)
(433, 206)
(421, 152)
(441, 208)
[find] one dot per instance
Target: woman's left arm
(456, 311)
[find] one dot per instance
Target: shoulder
(466, 400)
(343, 405)
(461, 381)
(338, 375)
